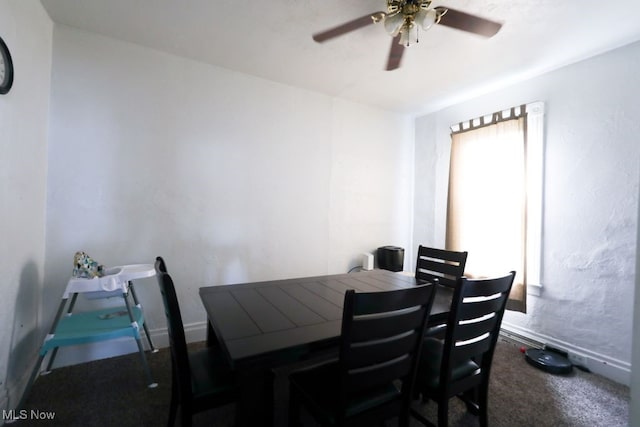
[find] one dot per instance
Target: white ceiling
(272, 39)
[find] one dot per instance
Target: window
(495, 196)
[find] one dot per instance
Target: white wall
(27, 30)
(590, 202)
(634, 413)
(231, 178)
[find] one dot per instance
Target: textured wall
(590, 197)
(634, 413)
(27, 30)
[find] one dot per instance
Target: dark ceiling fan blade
(346, 27)
(395, 54)
(466, 22)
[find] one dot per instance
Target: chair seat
(319, 387)
(431, 362)
(437, 331)
(210, 373)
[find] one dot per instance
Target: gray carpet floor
(113, 392)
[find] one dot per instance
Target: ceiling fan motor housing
(407, 7)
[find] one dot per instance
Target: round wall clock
(6, 68)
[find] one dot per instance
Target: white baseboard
(194, 332)
(614, 369)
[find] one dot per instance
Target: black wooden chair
(200, 380)
(460, 365)
(440, 266)
(372, 379)
(161, 266)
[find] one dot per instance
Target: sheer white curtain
(486, 213)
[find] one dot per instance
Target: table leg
(255, 406)
(212, 340)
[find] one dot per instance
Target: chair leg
(173, 408)
(483, 394)
(294, 408)
(173, 411)
(443, 412)
(403, 420)
(52, 357)
(418, 416)
(144, 325)
(145, 365)
(186, 415)
(470, 399)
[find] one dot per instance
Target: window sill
(534, 289)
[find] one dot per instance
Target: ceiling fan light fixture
(426, 18)
(393, 24)
(408, 34)
(406, 17)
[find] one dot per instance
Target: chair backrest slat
(474, 324)
(373, 303)
(438, 268)
(480, 308)
(483, 288)
(473, 330)
(474, 350)
(380, 327)
(380, 351)
(362, 380)
(438, 264)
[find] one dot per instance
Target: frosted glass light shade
(393, 23)
(409, 34)
(426, 18)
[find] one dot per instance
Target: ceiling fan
(405, 18)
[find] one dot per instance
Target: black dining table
(260, 326)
